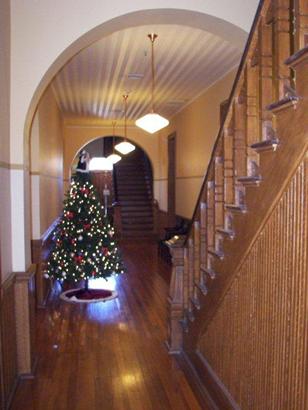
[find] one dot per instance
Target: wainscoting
(40, 249)
(8, 345)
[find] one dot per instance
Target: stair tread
(266, 145)
(210, 272)
(228, 232)
(250, 180)
(283, 103)
(217, 254)
(236, 208)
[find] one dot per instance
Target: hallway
(109, 355)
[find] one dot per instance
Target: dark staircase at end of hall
(134, 193)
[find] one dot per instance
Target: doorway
(171, 179)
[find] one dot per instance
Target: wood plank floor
(109, 355)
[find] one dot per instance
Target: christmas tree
(84, 243)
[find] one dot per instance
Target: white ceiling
(187, 61)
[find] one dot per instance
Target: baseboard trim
(208, 388)
(11, 396)
(195, 382)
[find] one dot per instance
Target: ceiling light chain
(152, 38)
(125, 147)
(152, 122)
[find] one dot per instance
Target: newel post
(176, 296)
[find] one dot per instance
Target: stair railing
(279, 30)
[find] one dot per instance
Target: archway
(173, 16)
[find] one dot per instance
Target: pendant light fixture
(152, 122)
(125, 147)
(113, 158)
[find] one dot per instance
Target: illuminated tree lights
(84, 245)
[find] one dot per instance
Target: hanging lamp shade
(125, 147)
(152, 122)
(113, 157)
(100, 164)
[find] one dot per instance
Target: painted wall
(46, 165)
(5, 192)
(196, 128)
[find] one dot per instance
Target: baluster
(210, 215)
(196, 252)
(219, 202)
(266, 75)
(186, 280)
(252, 119)
(203, 212)
(282, 49)
(239, 147)
(228, 166)
(197, 271)
(300, 24)
(190, 277)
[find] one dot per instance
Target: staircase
(134, 194)
(238, 293)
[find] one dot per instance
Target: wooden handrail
(230, 101)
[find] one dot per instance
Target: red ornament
(105, 251)
(78, 258)
(93, 273)
(84, 191)
(86, 226)
(70, 215)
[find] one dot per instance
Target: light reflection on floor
(102, 283)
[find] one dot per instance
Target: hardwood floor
(109, 355)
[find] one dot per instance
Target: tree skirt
(81, 295)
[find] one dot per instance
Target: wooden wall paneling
(8, 352)
(257, 342)
(282, 49)
(25, 322)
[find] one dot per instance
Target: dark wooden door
(171, 178)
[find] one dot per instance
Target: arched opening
(147, 19)
(126, 189)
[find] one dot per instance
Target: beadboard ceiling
(187, 61)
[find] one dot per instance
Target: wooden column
(175, 299)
